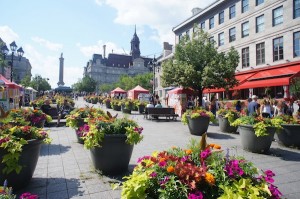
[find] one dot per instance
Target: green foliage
(136, 185)
(39, 83)
(230, 114)
(295, 87)
(198, 64)
(26, 81)
(86, 84)
(105, 88)
(197, 113)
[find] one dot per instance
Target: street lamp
(153, 64)
(13, 48)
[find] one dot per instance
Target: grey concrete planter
(289, 135)
(116, 107)
(28, 160)
(254, 144)
(225, 125)
(141, 108)
(198, 126)
(113, 156)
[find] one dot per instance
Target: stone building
(21, 66)
(107, 70)
(266, 33)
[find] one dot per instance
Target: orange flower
(212, 145)
(170, 169)
(217, 146)
(209, 178)
(162, 159)
(174, 147)
(188, 151)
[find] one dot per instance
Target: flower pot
(252, 143)
(113, 156)
(116, 107)
(141, 108)
(199, 125)
(79, 139)
(40, 124)
(225, 125)
(107, 104)
(127, 111)
(28, 160)
(134, 108)
(289, 135)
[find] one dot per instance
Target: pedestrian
(253, 107)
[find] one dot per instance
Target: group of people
(269, 109)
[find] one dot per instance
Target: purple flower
(184, 158)
(164, 181)
(275, 192)
(269, 173)
(269, 179)
(138, 129)
(28, 195)
(196, 195)
(233, 169)
(153, 174)
(204, 154)
(162, 163)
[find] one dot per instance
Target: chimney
(104, 49)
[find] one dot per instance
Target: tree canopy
(86, 84)
(40, 84)
(295, 87)
(198, 64)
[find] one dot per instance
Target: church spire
(135, 46)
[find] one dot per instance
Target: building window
(180, 37)
(278, 49)
(245, 5)
(232, 12)
(245, 57)
(221, 39)
(211, 23)
(232, 34)
(258, 2)
(211, 39)
(221, 17)
(296, 9)
(187, 33)
(297, 44)
(260, 53)
(260, 23)
(245, 29)
(278, 16)
(202, 25)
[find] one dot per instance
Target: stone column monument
(61, 71)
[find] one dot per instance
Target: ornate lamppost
(153, 64)
(13, 48)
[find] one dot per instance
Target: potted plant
(116, 104)
(19, 152)
(76, 119)
(200, 171)
(141, 106)
(225, 117)
(111, 142)
(107, 103)
(38, 118)
(290, 133)
(197, 120)
(7, 193)
(127, 106)
(257, 133)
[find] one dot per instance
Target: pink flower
(162, 163)
(28, 195)
(204, 154)
(153, 174)
(196, 195)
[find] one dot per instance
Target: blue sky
(79, 28)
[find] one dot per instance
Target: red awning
(276, 72)
(283, 81)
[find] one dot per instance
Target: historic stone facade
(21, 67)
(107, 70)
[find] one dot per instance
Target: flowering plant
(230, 114)
(287, 119)
(195, 113)
(105, 124)
(13, 138)
(201, 171)
(37, 116)
(260, 124)
(6, 193)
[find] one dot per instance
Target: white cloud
(99, 2)
(49, 45)
(8, 35)
(161, 16)
(48, 67)
(88, 51)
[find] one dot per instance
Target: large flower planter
(141, 108)
(116, 107)
(40, 124)
(127, 111)
(107, 104)
(28, 160)
(289, 135)
(225, 125)
(252, 143)
(199, 125)
(113, 156)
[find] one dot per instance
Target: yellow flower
(154, 154)
(188, 151)
(209, 178)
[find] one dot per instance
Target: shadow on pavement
(284, 154)
(223, 136)
(53, 149)
(120, 177)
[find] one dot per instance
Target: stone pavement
(64, 168)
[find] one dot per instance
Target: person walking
(253, 106)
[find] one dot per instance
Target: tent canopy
(117, 90)
(32, 89)
(8, 83)
(180, 90)
(63, 89)
(133, 93)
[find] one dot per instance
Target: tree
(198, 64)
(105, 88)
(295, 87)
(39, 83)
(86, 84)
(26, 81)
